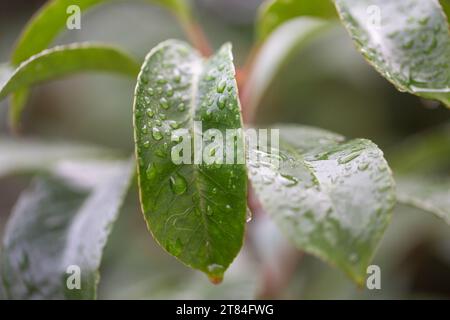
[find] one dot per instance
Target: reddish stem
(195, 34)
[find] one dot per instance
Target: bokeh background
(328, 84)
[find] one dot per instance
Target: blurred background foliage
(328, 85)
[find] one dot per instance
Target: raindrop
(151, 171)
(178, 184)
(161, 80)
(248, 215)
(221, 102)
(164, 103)
(221, 86)
(150, 113)
(157, 135)
(169, 90)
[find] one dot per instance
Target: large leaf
(273, 13)
(407, 41)
(431, 195)
(331, 197)
(195, 211)
(62, 221)
(275, 53)
(63, 60)
(26, 155)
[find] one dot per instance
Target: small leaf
(446, 6)
(425, 153)
(421, 166)
(51, 19)
(406, 41)
(17, 104)
(67, 59)
(44, 27)
(195, 211)
(26, 155)
(275, 53)
(59, 222)
(432, 195)
(331, 197)
(273, 13)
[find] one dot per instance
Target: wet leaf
(331, 197)
(195, 211)
(407, 41)
(59, 228)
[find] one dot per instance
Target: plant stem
(195, 34)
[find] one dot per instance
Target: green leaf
(62, 60)
(17, 104)
(51, 19)
(425, 153)
(62, 221)
(406, 41)
(273, 13)
(275, 52)
(195, 211)
(446, 6)
(421, 165)
(27, 155)
(432, 195)
(45, 26)
(329, 196)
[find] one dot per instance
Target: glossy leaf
(275, 52)
(273, 13)
(26, 155)
(329, 196)
(62, 60)
(432, 195)
(59, 224)
(195, 211)
(407, 41)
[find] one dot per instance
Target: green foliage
(331, 197)
(63, 60)
(195, 211)
(62, 221)
(408, 42)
